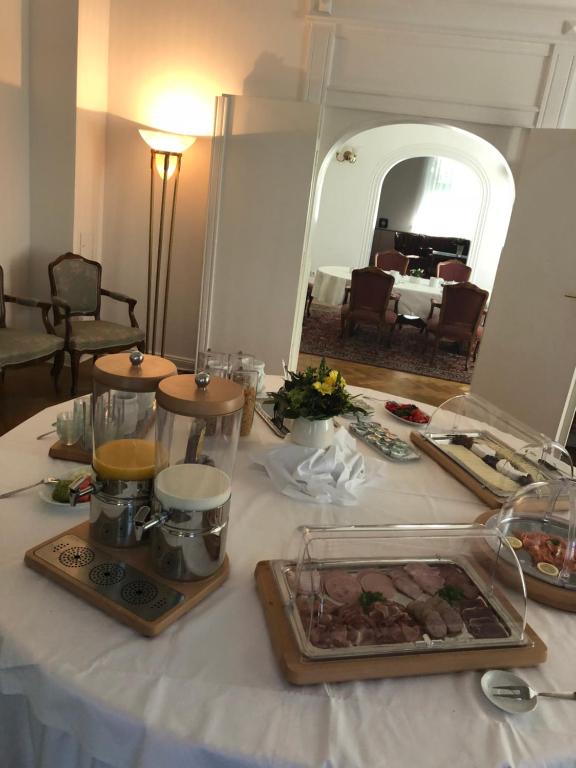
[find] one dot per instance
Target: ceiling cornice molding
(347, 22)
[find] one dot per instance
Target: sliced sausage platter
(357, 609)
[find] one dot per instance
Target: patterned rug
(321, 336)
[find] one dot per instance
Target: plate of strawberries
(409, 413)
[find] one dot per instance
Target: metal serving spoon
(512, 693)
(44, 481)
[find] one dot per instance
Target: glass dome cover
(396, 589)
(539, 522)
(499, 452)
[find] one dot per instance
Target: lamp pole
(166, 158)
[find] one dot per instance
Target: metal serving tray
(540, 471)
(464, 641)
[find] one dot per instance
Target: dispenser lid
(132, 371)
(193, 487)
(200, 395)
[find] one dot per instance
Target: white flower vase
(313, 433)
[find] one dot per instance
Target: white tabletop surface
(87, 691)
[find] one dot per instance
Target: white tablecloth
(330, 284)
(78, 689)
(415, 298)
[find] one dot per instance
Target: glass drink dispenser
(123, 459)
(198, 427)
(198, 421)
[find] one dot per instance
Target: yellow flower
(329, 384)
(325, 387)
(333, 377)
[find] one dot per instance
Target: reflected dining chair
(453, 270)
(459, 318)
(392, 260)
(19, 347)
(76, 293)
(370, 292)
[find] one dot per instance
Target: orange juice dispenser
(124, 455)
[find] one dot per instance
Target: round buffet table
(79, 690)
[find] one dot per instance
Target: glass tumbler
(83, 414)
(68, 427)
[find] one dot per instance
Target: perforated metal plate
(113, 579)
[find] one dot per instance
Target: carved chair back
(77, 281)
(370, 290)
(392, 260)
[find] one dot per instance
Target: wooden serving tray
(302, 671)
(547, 594)
(70, 453)
(194, 591)
(457, 471)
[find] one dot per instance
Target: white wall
(346, 204)
(167, 62)
(92, 106)
(53, 49)
(401, 191)
(14, 178)
(528, 357)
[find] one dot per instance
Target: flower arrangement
(317, 393)
(417, 272)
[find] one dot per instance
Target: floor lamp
(166, 157)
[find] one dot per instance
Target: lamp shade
(167, 142)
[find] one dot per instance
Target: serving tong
(526, 693)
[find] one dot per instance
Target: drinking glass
(68, 428)
(241, 361)
(83, 414)
(215, 363)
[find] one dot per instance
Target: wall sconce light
(346, 157)
(166, 156)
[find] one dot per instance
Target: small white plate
(495, 677)
(45, 491)
(405, 421)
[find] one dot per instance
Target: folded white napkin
(328, 475)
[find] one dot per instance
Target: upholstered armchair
(453, 270)
(21, 347)
(370, 292)
(461, 313)
(75, 284)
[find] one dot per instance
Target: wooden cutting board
(193, 591)
(300, 670)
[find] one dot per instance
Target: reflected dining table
(79, 690)
(330, 285)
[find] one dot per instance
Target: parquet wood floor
(407, 386)
(26, 391)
